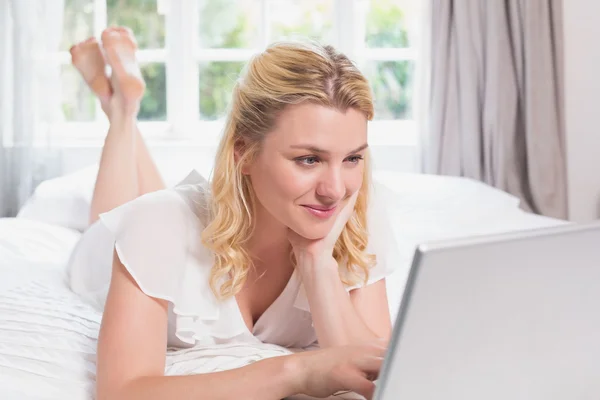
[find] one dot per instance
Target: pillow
(430, 207)
(65, 201)
(445, 193)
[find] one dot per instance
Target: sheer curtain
(30, 33)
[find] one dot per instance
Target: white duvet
(48, 335)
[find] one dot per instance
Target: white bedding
(48, 335)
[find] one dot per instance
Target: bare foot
(87, 58)
(120, 47)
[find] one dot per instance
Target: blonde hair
(285, 73)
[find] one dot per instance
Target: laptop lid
(513, 316)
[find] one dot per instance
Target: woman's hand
(334, 315)
(352, 367)
(322, 249)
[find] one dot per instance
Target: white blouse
(157, 238)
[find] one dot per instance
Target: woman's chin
(311, 232)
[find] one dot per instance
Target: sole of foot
(120, 47)
(88, 59)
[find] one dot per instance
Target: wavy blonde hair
(285, 73)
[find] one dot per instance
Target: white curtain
(30, 34)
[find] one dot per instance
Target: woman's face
(309, 165)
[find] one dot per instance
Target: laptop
(513, 316)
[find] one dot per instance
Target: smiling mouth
(320, 212)
(320, 208)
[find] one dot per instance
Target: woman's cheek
(296, 182)
(354, 179)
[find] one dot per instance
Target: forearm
(335, 319)
(273, 378)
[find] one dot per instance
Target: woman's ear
(237, 150)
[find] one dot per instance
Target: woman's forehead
(321, 127)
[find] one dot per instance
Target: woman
(275, 249)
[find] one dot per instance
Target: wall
(582, 107)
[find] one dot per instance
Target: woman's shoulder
(167, 221)
(194, 191)
(157, 239)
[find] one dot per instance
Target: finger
(384, 341)
(342, 219)
(369, 365)
(361, 385)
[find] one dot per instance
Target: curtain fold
(494, 105)
(31, 31)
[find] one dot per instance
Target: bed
(48, 335)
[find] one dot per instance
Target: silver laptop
(513, 316)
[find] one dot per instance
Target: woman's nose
(331, 185)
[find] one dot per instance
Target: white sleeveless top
(157, 238)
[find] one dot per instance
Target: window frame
(182, 56)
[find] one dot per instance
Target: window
(191, 52)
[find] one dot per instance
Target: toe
(86, 49)
(128, 34)
(109, 34)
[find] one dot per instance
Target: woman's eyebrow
(315, 149)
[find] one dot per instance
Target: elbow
(113, 391)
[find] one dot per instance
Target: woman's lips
(320, 212)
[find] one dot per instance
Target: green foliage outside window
(225, 25)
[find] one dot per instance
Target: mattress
(48, 335)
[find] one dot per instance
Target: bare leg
(117, 179)
(126, 167)
(149, 178)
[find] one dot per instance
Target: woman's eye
(355, 159)
(307, 160)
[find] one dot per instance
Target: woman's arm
(131, 356)
(340, 318)
(265, 379)
(131, 359)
